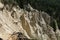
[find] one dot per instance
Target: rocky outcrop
(35, 25)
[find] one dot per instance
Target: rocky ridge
(32, 24)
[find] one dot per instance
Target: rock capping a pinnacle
(1, 5)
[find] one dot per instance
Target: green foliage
(7, 1)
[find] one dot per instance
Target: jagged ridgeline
(16, 23)
(50, 6)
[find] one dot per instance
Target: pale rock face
(32, 24)
(1, 5)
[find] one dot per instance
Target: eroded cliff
(32, 24)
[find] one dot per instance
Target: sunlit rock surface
(33, 25)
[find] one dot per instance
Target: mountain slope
(33, 24)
